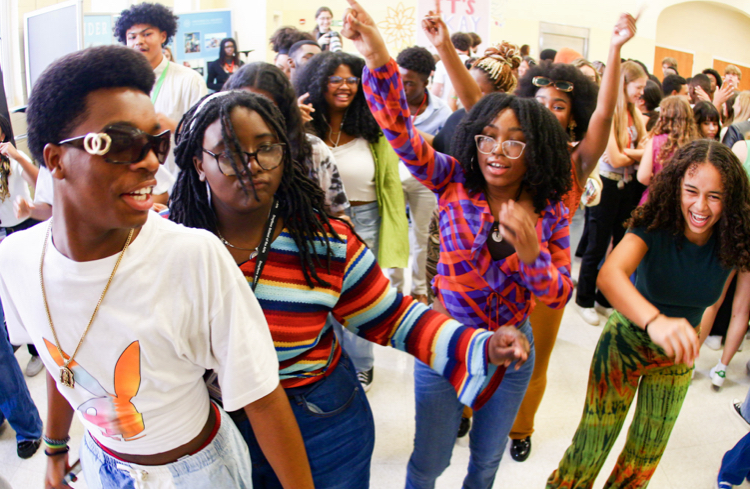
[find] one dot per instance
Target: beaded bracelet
(54, 443)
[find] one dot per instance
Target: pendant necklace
(253, 251)
(67, 377)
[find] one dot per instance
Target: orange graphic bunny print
(115, 414)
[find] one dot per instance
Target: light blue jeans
(439, 415)
(223, 464)
(366, 220)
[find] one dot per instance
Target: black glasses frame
(249, 156)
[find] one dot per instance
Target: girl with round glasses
(503, 238)
(306, 270)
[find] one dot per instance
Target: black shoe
(365, 378)
(26, 449)
(464, 427)
(520, 449)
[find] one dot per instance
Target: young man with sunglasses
(147, 28)
(133, 370)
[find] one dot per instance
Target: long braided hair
(300, 199)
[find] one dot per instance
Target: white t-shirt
(45, 191)
(177, 306)
(181, 89)
(441, 76)
(357, 169)
(17, 187)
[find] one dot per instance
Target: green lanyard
(157, 88)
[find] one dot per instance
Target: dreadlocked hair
(498, 62)
(300, 199)
(548, 173)
(663, 209)
(312, 78)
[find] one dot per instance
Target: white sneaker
(717, 377)
(604, 311)
(589, 315)
(713, 342)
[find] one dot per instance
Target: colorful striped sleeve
(371, 308)
(385, 96)
(548, 277)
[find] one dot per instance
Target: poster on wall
(199, 35)
(459, 16)
(97, 30)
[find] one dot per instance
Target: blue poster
(97, 30)
(199, 35)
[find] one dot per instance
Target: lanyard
(265, 244)
(159, 83)
(414, 117)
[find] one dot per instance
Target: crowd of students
(231, 344)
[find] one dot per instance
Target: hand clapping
(518, 227)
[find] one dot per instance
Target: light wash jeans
(16, 404)
(439, 415)
(422, 203)
(223, 464)
(366, 220)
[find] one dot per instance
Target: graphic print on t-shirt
(115, 414)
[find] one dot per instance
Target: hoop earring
(208, 193)
(571, 128)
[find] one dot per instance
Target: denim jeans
(439, 415)
(223, 464)
(15, 401)
(366, 220)
(337, 427)
(735, 465)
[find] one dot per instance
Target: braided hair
(300, 199)
(312, 78)
(499, 62)
(547, 158)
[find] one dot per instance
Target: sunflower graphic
(398, 27)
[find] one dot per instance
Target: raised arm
(590, 149)
(371, 308)
(675, 335)
(384, 91)
(464, 85)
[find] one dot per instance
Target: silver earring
(208, 192)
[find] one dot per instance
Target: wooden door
(719, 66)
(684, 61)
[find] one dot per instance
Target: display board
(49, 34)
(459, 16)
(97, 30)
(198, 37)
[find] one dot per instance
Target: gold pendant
(66, 377)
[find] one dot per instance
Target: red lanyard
(414, 117)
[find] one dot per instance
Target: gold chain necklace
(66, 374)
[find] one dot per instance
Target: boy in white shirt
(172, 303)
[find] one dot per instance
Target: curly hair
(547, 157)
(58, 102)
(663, 209)
(461, 41)
(582, 98)
(417, 59)
(301, 200)
(675, 119)
(498, 62)
(285, 37)
(154, 14)
(715, 74)
(312, 78)
(706, 112)
(269, 78)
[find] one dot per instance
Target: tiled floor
(705, 430)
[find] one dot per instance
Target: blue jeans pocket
(332, 395)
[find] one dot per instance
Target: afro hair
(416, 59)
(582, 98)
(284, 37)
(58, 100)
(154, 14)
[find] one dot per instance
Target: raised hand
(305, 109)
(362, 31)
(701, 95)
(676, 337)
(518, 227)
(10, 151)
(624, 29)
(508, 345)
(722, 94)
(435, 29)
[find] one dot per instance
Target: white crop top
(357, 170)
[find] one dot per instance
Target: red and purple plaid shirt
(475, 289)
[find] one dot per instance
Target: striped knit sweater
(360, 297)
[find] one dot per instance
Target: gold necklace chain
(66, 374)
